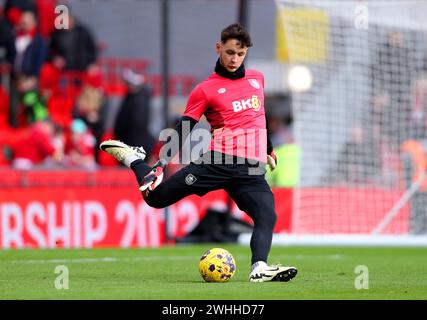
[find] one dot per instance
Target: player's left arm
(183, 129)
(155, 176)
(196, 106)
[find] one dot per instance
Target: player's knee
(267, 202)
(270, 218)
(264, 217)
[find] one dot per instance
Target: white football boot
(122, 152)
(263, 273)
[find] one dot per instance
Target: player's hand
(272, 160)
(154, 177)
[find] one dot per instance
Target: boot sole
(285, 275)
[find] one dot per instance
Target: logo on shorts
(190, 179)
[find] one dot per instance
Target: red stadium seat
(71, 178)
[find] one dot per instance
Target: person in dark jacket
(30, 53)
(31, 50)
(7, 46)
(13, 10)
(131, 125)
(76, 46)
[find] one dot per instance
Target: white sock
(127, 161)
(258, 264)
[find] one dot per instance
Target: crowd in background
(397, 113)
(42, 118)
(53, 106)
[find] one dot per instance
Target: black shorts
(233, 178)
(236, 179)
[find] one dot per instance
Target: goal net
(360, 114)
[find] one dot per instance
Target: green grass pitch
(171, 273)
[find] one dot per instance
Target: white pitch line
(105, 259)
(150, 258)
(311, 256)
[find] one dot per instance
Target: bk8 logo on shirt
(251, 103)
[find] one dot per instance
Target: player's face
(231, 54)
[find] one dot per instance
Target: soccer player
(232, 100)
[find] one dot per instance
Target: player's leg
(130, 156)
(122, 152)
(166, 193)
(196, 179)
(192, 179)
(140, 169)
(259, 205)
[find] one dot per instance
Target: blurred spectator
(14, 9)
(75, 46)
(7, 45)
(44, 10)
(80, 151)
(60, 89)
(360, 160)
(50, 76)
(31, 50)
(418, 119)
(380, 104)
(35, 146)
(26, 64)
(33, 106)
(385, 138)
(392, 65)
(91, 107)
(132, 121)
(392, 73)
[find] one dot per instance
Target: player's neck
(221, 71)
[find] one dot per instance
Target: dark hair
(238, 32)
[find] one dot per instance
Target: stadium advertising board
(101, 217)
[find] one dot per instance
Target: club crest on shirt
(190, 179)
(254, 83)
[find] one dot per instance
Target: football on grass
(217, 265)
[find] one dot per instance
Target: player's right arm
(196, 106)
